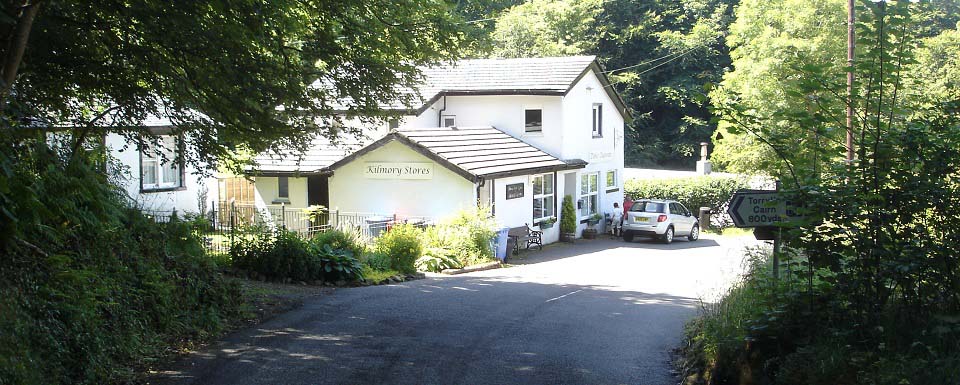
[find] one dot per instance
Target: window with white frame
(597, 120)
(160, 168)
(543, 197)
(449, 120)
(612, 180)
(588, 194)
(533, 120)
(283, 188)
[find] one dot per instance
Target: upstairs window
(533, 120)
(160, 165)
(449, 120)
(597, 120)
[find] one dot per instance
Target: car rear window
(649, 207)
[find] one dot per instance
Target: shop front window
(588, 194)
(543, 197)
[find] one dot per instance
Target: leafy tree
(253, 73)
(539, 28)
(788, 81)
(774, 45)
(870, 291)
(660, 55)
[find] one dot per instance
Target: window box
(547, 223)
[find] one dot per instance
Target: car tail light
(662, 218)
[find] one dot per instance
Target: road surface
(597, 312)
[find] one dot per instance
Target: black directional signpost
(767, 211)
(762, 208)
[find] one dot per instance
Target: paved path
(597, 312)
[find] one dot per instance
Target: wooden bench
(524, 234)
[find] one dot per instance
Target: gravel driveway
(596, 312)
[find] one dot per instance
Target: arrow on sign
(761, 208)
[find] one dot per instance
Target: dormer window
(533, 120)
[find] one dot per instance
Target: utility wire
(655, 60)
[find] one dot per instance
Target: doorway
(318, 191)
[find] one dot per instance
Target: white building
(514, 134)
(155, 177)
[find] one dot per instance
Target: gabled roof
(474, 153)
(552, 76)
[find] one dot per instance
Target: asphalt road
(597, 312)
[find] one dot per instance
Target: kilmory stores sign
(395, 170)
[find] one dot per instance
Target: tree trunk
(16, 45)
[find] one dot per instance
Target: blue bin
(500, 243)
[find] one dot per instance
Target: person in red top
(627, 204)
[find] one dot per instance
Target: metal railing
(227, 223)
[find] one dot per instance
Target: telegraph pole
(851, 44)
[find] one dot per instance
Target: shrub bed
(401, 244)
(285, 256)
(91, 291)
(463, 240)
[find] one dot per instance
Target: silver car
(663, 219)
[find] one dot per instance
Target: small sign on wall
(515, 190)
(599, 156)
(398, 170)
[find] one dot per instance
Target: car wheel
(627, 236)
(694, 233)
(668, 235)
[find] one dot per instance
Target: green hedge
(693, 192)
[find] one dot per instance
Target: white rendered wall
(506, 113)
(439, 197)
(602, 154)
(519, 211)
(267, 191)
(186, 200)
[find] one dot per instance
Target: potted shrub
(547, 223)
(568, 220)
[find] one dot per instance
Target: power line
(655, 60)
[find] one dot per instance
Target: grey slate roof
(321, 154)
(473, 152)
(523, 76)
(519, 76)
(550, 74)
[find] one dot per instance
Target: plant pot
(544, 226)
(568, 237)
(589, 233)
(592, 222)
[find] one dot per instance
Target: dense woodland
(672, 60)
(658, 54)
(868, 291)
